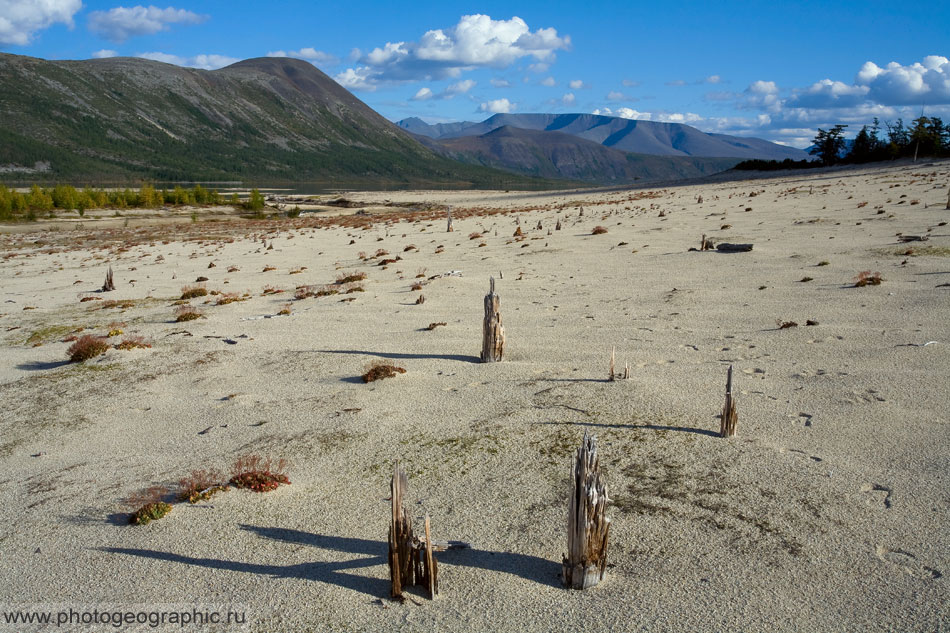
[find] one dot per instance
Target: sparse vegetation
(598, 230)
(253, 472)
(187, 313)
(381, 369)
(133, 342)
(149, 505)
(867, 278)
(193, 292)
(347, 278)
(86, 347)
(200, 485)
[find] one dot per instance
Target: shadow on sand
(368, 553)
(397, 356)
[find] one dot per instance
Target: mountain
(559, 155)
(642, 137)
(262, 120)
(433, 130)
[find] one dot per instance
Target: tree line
(29, 205)
(927, 136)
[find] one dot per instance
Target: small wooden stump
(493, 334)
(705, 245)
(411, 561)
(613, 354)
(557, 227)
(729, 418)
(109, 285)
(587, 526)
(448, 215)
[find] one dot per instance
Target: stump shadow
(462, 358)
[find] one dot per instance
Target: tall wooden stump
(448, 216)
(493, 334)
(411, 559)
(587, 526)
(729, 417)
(109, 285)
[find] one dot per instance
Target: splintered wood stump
(108, 286)
(448, 214)
(613, 352)
(587, 526)
(493, 334)
(411, 559)
(729, 417)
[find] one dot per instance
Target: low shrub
(599, 230)
(253, 472)
(86, 347)
(380, 370)
(133, 342)
(187, 313)
(200, 485)
(867, 278)
(193, 292)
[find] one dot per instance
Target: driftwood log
(587, 526)
(913, 238)
(733, 248)
(411, 559)
(729, 418)
(493, 334)
(109, 285)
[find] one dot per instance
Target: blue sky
(774, 70)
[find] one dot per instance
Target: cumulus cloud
(577, 84)
(206, 62)
(477, 41)
(104, 53)
(121, 23)
(424, 94)
(21, 19)
(497, 106)
(662, 117)
(460, 88)
(624, 113)
(921, 82)
(548, 81)
(500, 83)
(568, 99)
(616, 95)
(713, 79)
(309, 53)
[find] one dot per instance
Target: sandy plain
(828, 512)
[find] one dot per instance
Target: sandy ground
(828, 511)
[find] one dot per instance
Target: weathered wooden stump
(557, 227)
(587, 526)
(493, 334)
(109, 285)
(448, 215)
(613, 353)
(729, 418)
(411, 560)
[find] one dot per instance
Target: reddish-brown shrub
(256, 473)
(133, 342)
(187, 313)
(86, 347)
(380, 370)
(200, 485)
(867, 278)
(599, 230)
(193, 292)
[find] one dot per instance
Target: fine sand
(828, 512)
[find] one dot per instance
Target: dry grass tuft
(348, 278)
(253, 472)
(380, 369)
(599, 230)
(867, 278)
(187, 313)
(193, 292)
(86, 347)
(133, 342)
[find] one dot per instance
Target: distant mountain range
(259, 120)
(629, 135)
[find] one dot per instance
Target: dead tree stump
(613, 353)
(557, 227)
(587, 526)
(493, 334)
(448, 215)
(109, 285)
(729, 417)
(411, 559)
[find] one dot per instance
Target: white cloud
(662, 117)
(477, 41)
(497, 106)
(206, 62)
(577, 84)
(630, 83)
(21, 19)
(539, 67)
(568, 99)
(615, 95)
(104, 53)
(500, 83)
(548, 81)
(713, 79)
(310, 54)
(921, 82)
(624, 113)
(676, 82)
(827, 93)
(460, 88)
(423, 95)
(121, 23)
